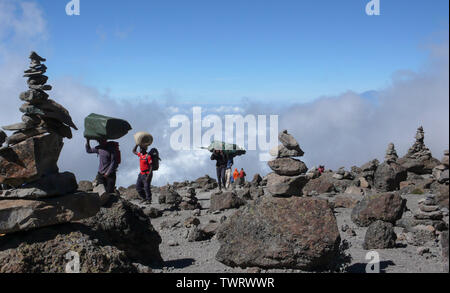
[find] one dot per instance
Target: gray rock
(288, 166)
(290, 233)
(285, 186)
(125, 226)
(44, 251)
(48, 186)
(283, 152)
(196, 234)
(153, 213)
(24, 215)
(225, 201)
(380, 235)
(444, 178)
(85, 186)
(289, 141)
(30, 160)
(37, 79)
(387, 177)
(388, 207)
(23, 135)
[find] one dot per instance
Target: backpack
(118, 153)
(154, 154)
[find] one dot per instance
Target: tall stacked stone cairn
(289, 176)
(282, 229)
(419, 159)
(428, 220)
(390, 173)
(190, 201)
(36, 194)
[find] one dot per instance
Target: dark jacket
(220, 158)
(107, 156)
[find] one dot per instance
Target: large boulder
(225, 201)
(387, 207)
(24, 215)
(388, 176)
(47, 250)
(128, 228)
(323, 184)
(30, 159)
(379, 235)
(48, 186)
(295, 233)
(288, 166)
(285, 186)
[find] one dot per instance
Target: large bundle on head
(102, 127)
(227, 148)
(143, 139)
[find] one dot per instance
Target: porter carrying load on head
(148, 162)
(102, 128)
(224, 153)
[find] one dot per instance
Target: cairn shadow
(360, 268)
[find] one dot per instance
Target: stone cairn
(41, 114)
(419, 159)
(418, 149)
(34, 193)
(391, 154)
(428, 220)
(289, 176)
(342, 174)
(190, 201)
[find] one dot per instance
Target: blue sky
(207, 51)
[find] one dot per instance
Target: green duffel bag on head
(102, 127)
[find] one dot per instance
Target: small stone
(422, 250)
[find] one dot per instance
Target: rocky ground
(182, 256)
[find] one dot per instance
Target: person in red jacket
(242, 177)
(321, 169)
(144, 181)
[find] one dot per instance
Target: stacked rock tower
(41, 114)
(33, 193)
(289, 175)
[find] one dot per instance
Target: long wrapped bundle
(102, 127)
(227, 148)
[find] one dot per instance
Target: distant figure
(228, 174)
(242, 177)
(321, 169)
(144, 181)
(221, 166)
(236, 176)
(109, 159)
